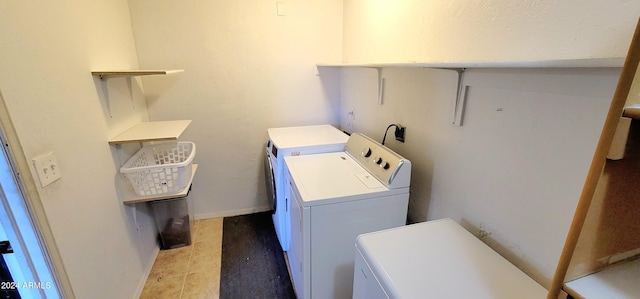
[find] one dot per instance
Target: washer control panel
(388, 167)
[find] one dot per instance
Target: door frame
(32, 200)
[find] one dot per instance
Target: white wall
(246, 69)
(48, 51)
(461, 30)
(514, 172)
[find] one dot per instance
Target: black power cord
(399, 133)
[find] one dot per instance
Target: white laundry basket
(160, 168)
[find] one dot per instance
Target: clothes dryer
(435, 259)
(293, 141)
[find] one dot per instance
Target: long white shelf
(131, 73)
(129, 196)
(619, 281)
(560, 63)
(461, 66)
(152, 131)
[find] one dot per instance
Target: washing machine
(334, 198)
(435, 259)
(293, 141)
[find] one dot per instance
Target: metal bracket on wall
(380, 85)
(104, 83)
(105, 89)
(461, 97)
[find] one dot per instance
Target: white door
(25, 267)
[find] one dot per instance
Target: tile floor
(191, 271)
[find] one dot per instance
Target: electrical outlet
(400, 133)
(352, 113)
(47, 168)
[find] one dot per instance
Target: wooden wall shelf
(152, 131)
(130, 197)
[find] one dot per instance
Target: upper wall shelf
(460, 67)
(131, 73)
(560, 63)
(152, 131)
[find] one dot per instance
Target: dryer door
(271, 183)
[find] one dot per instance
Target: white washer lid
(306, 136)
(440, 259)
(334, 177)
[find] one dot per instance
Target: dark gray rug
(253, 264)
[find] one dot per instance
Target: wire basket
(160, 168)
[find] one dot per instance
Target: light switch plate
(47, 168)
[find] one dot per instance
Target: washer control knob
(378, 160)
(366, 152)
(384, 165)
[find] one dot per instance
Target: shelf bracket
(135, 217)
(104, 83)
(461, 97)
(380, 84)
(130, 86)
(105, 90)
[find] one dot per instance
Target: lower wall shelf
(130, 197)
(153, 131)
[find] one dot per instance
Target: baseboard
(143, 281)
(231, 213)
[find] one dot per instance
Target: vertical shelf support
(104, 83)
(461, 97)
(135, 217)
(380, 84)
(105, 90)
(130, 86)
